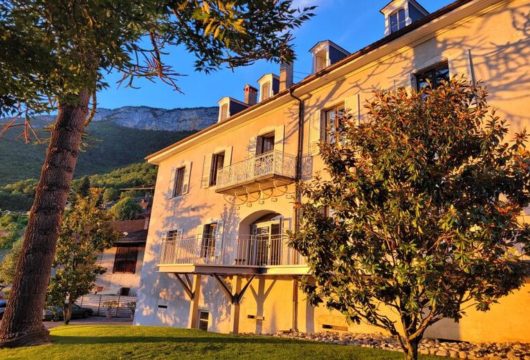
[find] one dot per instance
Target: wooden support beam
(238, 294)
(186, 284)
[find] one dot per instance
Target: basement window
(203, 320)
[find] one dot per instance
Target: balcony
(245, 254)
(259, 172)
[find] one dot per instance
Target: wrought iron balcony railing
(253, 169)
(249, 250)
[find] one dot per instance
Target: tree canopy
(419, 210)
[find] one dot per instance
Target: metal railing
(247, 250)
(271, 163)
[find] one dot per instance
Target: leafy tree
(12, 227)
(9, 262)
(61, 49)
(85, 233)
(425, 199)
(83, 189)
(126, 209)
(111, 194)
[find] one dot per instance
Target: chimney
(286, 76)
(251, 95)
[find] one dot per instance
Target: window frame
(126, 262)
(214, 167)
(430, 73)
(400, 23)
(261, 143)
(209, 235)
(339, 111)
(178, 186)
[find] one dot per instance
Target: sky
(352, 24)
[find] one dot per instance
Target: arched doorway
(267, 235)
(261, 238)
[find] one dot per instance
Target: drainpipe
(299, 156)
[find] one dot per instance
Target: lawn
(132, 342)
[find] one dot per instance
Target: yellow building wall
(496, 41)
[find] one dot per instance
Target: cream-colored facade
(215, 255)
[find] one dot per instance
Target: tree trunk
(22, 323)
(411, 349)
(67, 313)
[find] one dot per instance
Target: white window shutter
(198, 238)
(187, 175)
(315, 132)
(279, 134)
(408, 82)
(351, 105)
(252, 146)
(462, 65)
(172, 176)
(206, 166)
(228, 156)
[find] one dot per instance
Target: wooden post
(194, 304)
(235, 305)
(295, 304)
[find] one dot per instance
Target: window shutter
(198, 240)
(252, 146)
(172, 176)
(462, 65)
(219, 240)
(316, 132)
(351, 105)
(408, 83)
(187, 175)
(354, 106)
(228, 156)
(206, 167)
(279, 134)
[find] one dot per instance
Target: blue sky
(352, 24)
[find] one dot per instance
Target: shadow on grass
(58, 339)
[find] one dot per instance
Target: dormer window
(326, 53)
(229, 107)
(401, 13)
(397, 20)
(269, 85)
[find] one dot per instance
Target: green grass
(131, 342)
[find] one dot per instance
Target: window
(208, 240)
(433, 75)
(217, 164)
(332, 119)
(397, 20)
(265, 91)
(265, 144)
(178, 190)
(203, 320)
(125, 260)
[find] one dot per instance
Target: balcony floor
(207, 269)
(255, 184)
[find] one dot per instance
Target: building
(123, 261)
(216, 255)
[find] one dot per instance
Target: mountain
(116, 138)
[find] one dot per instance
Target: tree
(422, 204)
(126, 209)
(111, 194)
(83, 189)
(9, 262)
(86, 231)
(60, 50)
